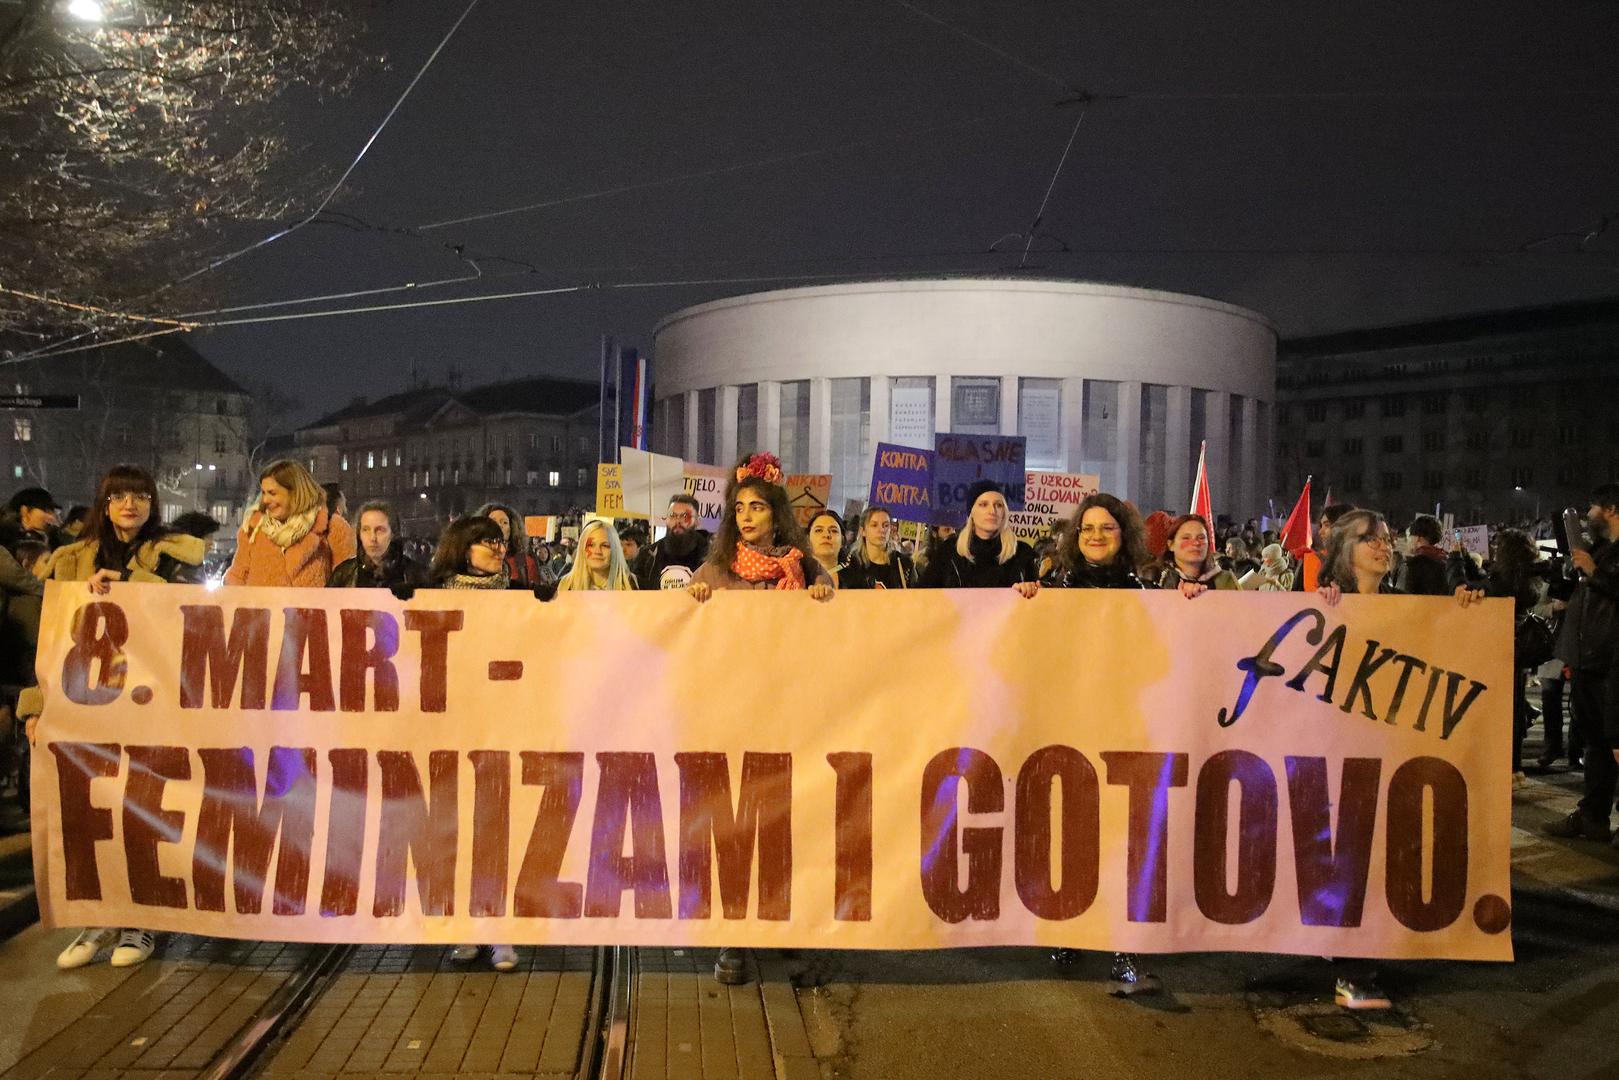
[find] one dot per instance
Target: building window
(533, 477)
(1354, 410)
(1315, 412)
(1434, 404)
(1393, 481)
(533, 441)
(1473, 477)
(16, 472)
(1568, 434)
(975, 405)
(344, 463)
(794, 431)
(556, 447)
(370, 459)
(1352, 482)
(1473, 400)
(22, 429)
(172, 511)
(1523, 438)
(1433, 440)
(1523, 476)
(747, 418)
(1433, 480)
(1315, 448)
(1039, 421)
(554, 478)
(1566, 475)
(581, 477)
(851, 439)
(708, 427)
(220, 512)
(1393, 444)
(1354, 446)
(584, 447)
(1478, 440)
(1393, 405)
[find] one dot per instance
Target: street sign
(39, 401)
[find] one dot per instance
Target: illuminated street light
(85, 10)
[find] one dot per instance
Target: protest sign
(706, 484)
(1049, 497)
(1475, 539)
(650, 481)
(960, 461)
(540, 526)
(902, 482)
(807, 494)
(610, 489)
(1250, 772)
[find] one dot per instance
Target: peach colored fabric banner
(1105, 770)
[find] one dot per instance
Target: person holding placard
(985, 554)
(826, 543)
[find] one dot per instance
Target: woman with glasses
(874, 564)
(523, 568)
(601, 563)
(289, 537)
(984, 554)
(122, 541)
(1101, 549)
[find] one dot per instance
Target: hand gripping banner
(1103, 770)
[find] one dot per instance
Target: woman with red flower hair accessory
(760, 544)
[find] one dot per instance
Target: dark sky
(1331, 166)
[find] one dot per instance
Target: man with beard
(671, 562)
(1587, 644)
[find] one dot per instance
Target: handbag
(1533, 642)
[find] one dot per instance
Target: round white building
(1120, 382)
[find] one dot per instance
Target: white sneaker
(134, 946)
(462, 954)
(503, 957)
(85, 947)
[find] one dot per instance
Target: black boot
(729, 968)
(1127, 979)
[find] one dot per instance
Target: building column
(690, 451)
(1073, 425)
(1178, 447)
(1009, 401)
(1127, 466)
(1248, 488)
(941, 404)
(820, 425)
(1217, 434)
(768, 420)
(727, 418)
(881, 411)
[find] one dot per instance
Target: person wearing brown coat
(291, 538)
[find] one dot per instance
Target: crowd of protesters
(300, 533)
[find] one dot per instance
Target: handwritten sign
(960, 461)
(807, 494)
(1049, 497)
(706, 484)
(610, 489)
(902, 482)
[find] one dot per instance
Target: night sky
(1330, 166)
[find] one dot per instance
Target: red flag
(1296, 535)
(1202, 505)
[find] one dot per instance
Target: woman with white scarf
(289, 537)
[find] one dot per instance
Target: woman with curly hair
(760, 544)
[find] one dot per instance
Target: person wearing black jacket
(985, 554)
(1424, 571)
(380, 561)
(1101, 550)
(672, 561)
(1586, 645)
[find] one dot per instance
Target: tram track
(606, 1041)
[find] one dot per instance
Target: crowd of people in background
(298, 532)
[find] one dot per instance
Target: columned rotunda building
(1120, 382)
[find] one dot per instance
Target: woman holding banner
(874, 564)
(985, 554)
(1101, 549)
(289, 538)
(123, 541)
(1189, 564)
(601, 564)
(826, 543)
(759, 546)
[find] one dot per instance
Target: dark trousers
(1551, 715)
(1520, 719)
(1590, 698)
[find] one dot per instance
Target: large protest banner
(902, 482)
(1049, 497)
(1103, 770)
(960, 461)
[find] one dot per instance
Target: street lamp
(85, 10)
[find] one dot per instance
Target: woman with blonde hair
(600, 563)
(985, 554)
(289, 537)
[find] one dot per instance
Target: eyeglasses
(1378, 539)
(1098, 530)
(139, 498)
(497, 545)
